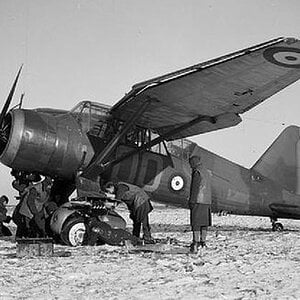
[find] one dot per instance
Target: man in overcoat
(199, 203)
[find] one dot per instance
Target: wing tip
(290, 40)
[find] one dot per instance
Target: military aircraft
(141, 139)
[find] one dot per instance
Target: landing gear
(276, 226)
(73, 232)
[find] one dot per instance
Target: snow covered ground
(244, 260)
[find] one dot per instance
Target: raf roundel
(283, 56)
(177, 183)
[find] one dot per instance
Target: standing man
(32, 209)
(139, 206)
(21, 183)
(23, 180)
(38, 196)
(199, 203)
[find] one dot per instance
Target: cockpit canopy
(88, 114)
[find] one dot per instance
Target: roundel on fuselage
(177, 183)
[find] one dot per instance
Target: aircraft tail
(281, 161)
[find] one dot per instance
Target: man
(199, 203)
(101, 232)
(21, 183)
(37, 199)
(33, 207)
(139, 206)
(4, 231)
(23, 180)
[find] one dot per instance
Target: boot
(203, 244)
(194, 247)
(148, 240)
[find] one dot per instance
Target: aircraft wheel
(277, 227)
(73, 232)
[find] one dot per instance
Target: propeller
(5, 128)
(9, 98)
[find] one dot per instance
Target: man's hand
(110, 196)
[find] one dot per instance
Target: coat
(33, 200)
(3, 210)
(136, 199)
(200, 189)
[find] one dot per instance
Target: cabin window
(181, 149)
(138, 137)
(160, 149)
(92, 116)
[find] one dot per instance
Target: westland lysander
(142, 138)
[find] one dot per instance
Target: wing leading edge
(211, 95)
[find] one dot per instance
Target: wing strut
(93, 170)
(160, 139)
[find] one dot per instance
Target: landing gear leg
(276, 226)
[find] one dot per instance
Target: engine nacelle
(49, 144)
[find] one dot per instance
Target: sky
(96, 50)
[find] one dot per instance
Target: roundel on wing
(177, 183)
(283, 56)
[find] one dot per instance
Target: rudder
(281, 161)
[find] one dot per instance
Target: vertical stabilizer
(281, 161)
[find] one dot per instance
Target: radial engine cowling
(45, 143)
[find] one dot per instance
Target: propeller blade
(9, 98)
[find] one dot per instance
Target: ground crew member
(4, 231)
(199, 203)
(23, 180)
(32, 207)
(139, 206)
(101, 232)
(22, 215)
(38, 196)
(21, 183)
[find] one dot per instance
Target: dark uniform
(101, 232)
(21, 183)
(22, 215)
(139, 206)
(4, 231)
(199, 202)
(33, 208)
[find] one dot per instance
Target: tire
(73, 232)
(277, 227)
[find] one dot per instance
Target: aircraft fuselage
(235, 189)
(60, 144)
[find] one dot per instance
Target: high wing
(211, 95)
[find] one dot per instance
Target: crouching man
(139, 206)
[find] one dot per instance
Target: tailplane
(281, 161)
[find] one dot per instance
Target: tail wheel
(73, 232)
(277, 227)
